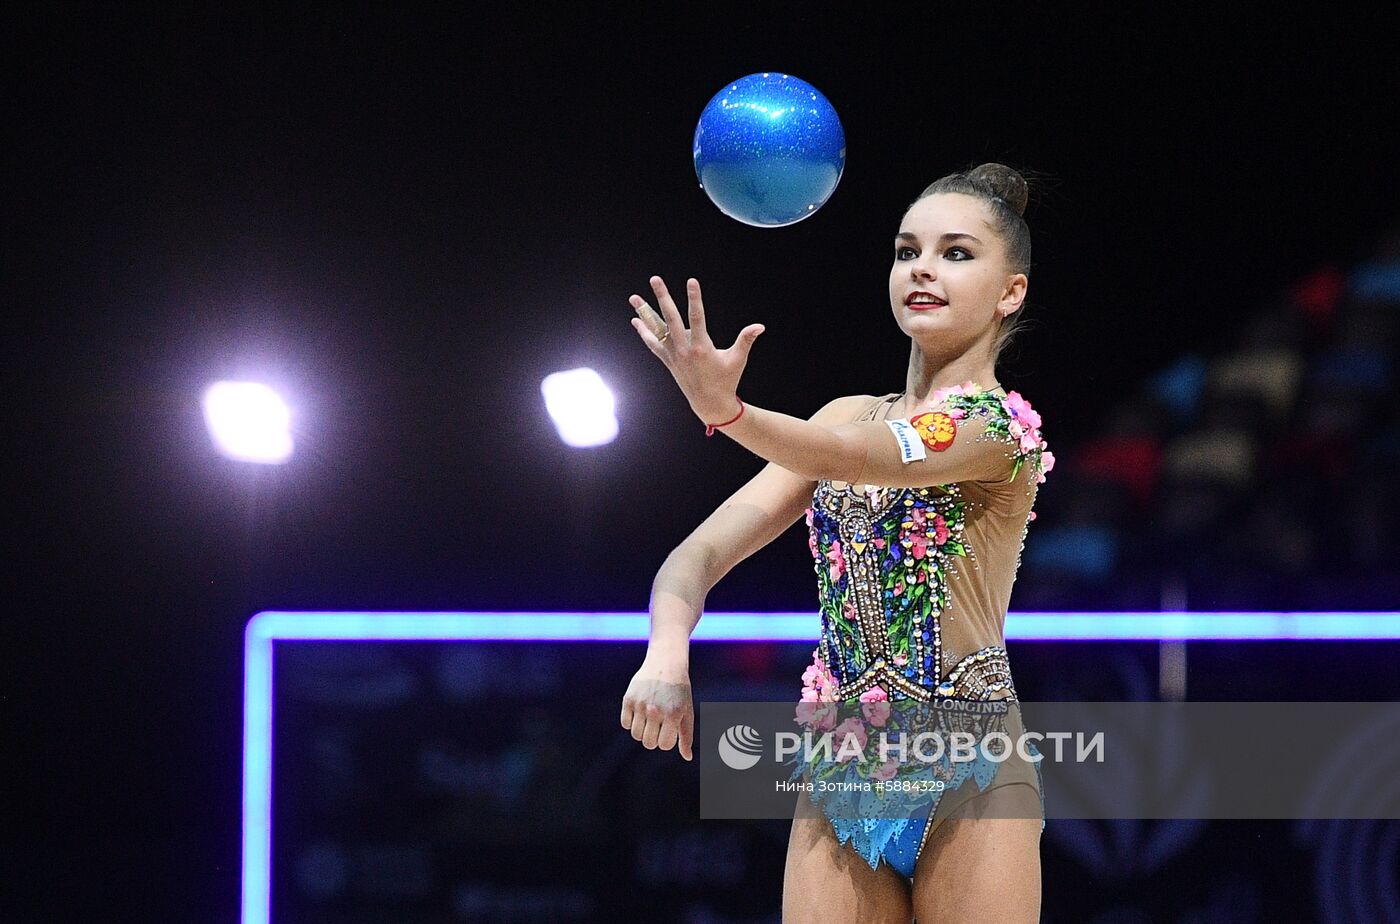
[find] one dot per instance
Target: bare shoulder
(845, 409)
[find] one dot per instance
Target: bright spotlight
(581, 406)
(248, 422)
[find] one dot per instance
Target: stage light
(248, 422)
(581, 406)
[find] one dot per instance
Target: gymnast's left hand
(707, 375)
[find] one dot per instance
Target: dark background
(406, 219)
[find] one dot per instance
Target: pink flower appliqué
(918, 546)
(812, 533)
(941, 532)
(875, 706)
(852, 728)
(1020, 410)
(838, 561)
(817, 716)
(942, 394)
(818, 683)
(875, 694)
(969, 388)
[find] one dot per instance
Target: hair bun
(1004, 182)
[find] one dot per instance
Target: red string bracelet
(710, 428)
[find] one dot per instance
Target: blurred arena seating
(1259, 478)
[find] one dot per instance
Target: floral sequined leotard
(913, 585)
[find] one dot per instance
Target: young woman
(917, 505)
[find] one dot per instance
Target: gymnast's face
(946, 247)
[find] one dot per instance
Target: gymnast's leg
(825, 882)
(982, 864)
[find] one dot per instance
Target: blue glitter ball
(769, 150)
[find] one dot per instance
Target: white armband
(911, 447)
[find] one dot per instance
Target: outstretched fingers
(698, 331)
(669, 312)
(668, 318)
(649, 338)
(648, 315)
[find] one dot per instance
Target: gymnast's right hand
(658, 708)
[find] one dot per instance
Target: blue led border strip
(268, 627)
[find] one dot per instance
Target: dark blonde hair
(1006, 193)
